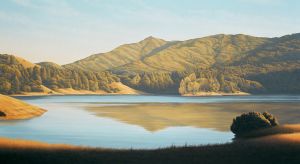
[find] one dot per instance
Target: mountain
(220, 63)
(196, 53)
(174, 56)
(120, 56)
(11, 108)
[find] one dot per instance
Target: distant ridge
(121, 55)
(220, 64)
(213, 65)
(153, 54)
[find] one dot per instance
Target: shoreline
(14, 109)
(269, 149)
(280, 133)
(122, 90)
(79, 92)
(203, 94)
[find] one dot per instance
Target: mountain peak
(151, 38)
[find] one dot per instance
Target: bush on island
(251, 121)
(2, 114)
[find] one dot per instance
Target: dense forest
(230, 79)
(18, 75)
(159, 83)
(216, 81)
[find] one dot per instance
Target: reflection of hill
(154, 117)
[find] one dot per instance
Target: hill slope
(120, 56)
(220, 63)
(11, 109)
(197, 53)
(49, 78)
(165, 56)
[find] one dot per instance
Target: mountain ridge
(146, 58)
(212, 64)
(121, 55)
(243, 59)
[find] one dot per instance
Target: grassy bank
(273, 149)
(14, 109)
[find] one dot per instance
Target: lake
(146, 121)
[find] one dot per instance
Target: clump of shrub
(2, 114)
(251, 121)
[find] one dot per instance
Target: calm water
(142, 121)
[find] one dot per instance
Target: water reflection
(218, 116)
(142, 121)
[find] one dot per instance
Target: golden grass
(121, 55)
(289, 133)
(25, 144)
(25, 63)
(286, 137)
(16, 109)
(123, 90)
(281, 138)
(71, 91)
(195, 53)
(275, 149)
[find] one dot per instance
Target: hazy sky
(63, 31)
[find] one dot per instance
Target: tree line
(15, 78)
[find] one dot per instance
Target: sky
(64, 31)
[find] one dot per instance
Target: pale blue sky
(63, 31)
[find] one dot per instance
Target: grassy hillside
(197, 53)
(120, 56)
(220, 63)
(11, 109)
